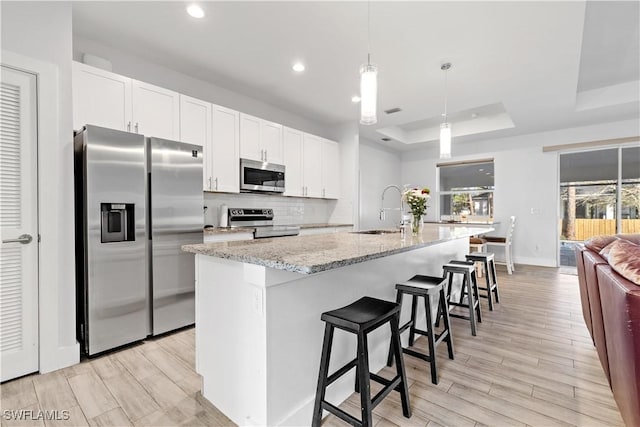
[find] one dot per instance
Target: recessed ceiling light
(488, 173)
(355, 99)
(298, 67)
(195, 11)
(474, 115)
(481, 170)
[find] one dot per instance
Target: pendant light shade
(445, 140)
(445, 128)
(368, 94)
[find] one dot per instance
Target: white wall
(135, 67)
(42, 31)
(379, 167)
(526, 182)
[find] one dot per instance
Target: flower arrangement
(417, 200)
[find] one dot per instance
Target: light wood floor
(532, 363)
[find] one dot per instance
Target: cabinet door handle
(323, 192)
(136, 127)
(216, 183)
(265, 156)
(209, 187)
(129, 127)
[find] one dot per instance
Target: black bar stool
(428, 287)
(361, 317)
(469, 288)
(488, 262)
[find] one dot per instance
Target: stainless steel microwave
(261, 176)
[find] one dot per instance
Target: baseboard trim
(62, 357)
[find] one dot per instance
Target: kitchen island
(258, 307)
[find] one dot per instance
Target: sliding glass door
(599, 195)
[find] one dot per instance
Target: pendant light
(445, 127)
(368, 82)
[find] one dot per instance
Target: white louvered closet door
(18, 225)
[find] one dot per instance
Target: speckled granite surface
(316, 253)
(227, 230)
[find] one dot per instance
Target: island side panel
(294, 303)
(231, 338)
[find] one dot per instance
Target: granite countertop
(226, 230)
(316, 253)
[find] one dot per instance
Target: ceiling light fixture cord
(445, 93)
(369, 32)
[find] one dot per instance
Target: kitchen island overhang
(258, 307)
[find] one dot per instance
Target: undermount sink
(376, 232)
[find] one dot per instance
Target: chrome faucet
(383, 209)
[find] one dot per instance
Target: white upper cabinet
(100, 98)
(271, 141)
(250, 147)
(260, 140)
(292, 140)
(106, 99)
(330, 169)
(195, 128)
(225, 151)
(156, 111)
(312, 165)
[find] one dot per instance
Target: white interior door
(18, 224)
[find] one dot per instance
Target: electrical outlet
(257, 301)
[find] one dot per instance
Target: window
(466, 189)
(599, 194)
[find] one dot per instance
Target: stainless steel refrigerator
(137, 201)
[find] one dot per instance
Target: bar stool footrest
(340, 372)
(391, 386)
(341, 414)
(419, 355)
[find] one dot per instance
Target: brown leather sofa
(611, 310)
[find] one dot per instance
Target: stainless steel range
(262, 220)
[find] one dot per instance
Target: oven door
(259, 176)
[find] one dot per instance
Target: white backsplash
(286, 210)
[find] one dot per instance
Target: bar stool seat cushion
(477, 240)
(362, 314)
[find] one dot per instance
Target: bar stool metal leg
(476, 290)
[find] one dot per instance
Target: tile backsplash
(286, 210)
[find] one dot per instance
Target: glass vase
(416, 224)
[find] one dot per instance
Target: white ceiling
(531, 58)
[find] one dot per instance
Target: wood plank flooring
(532, 364)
